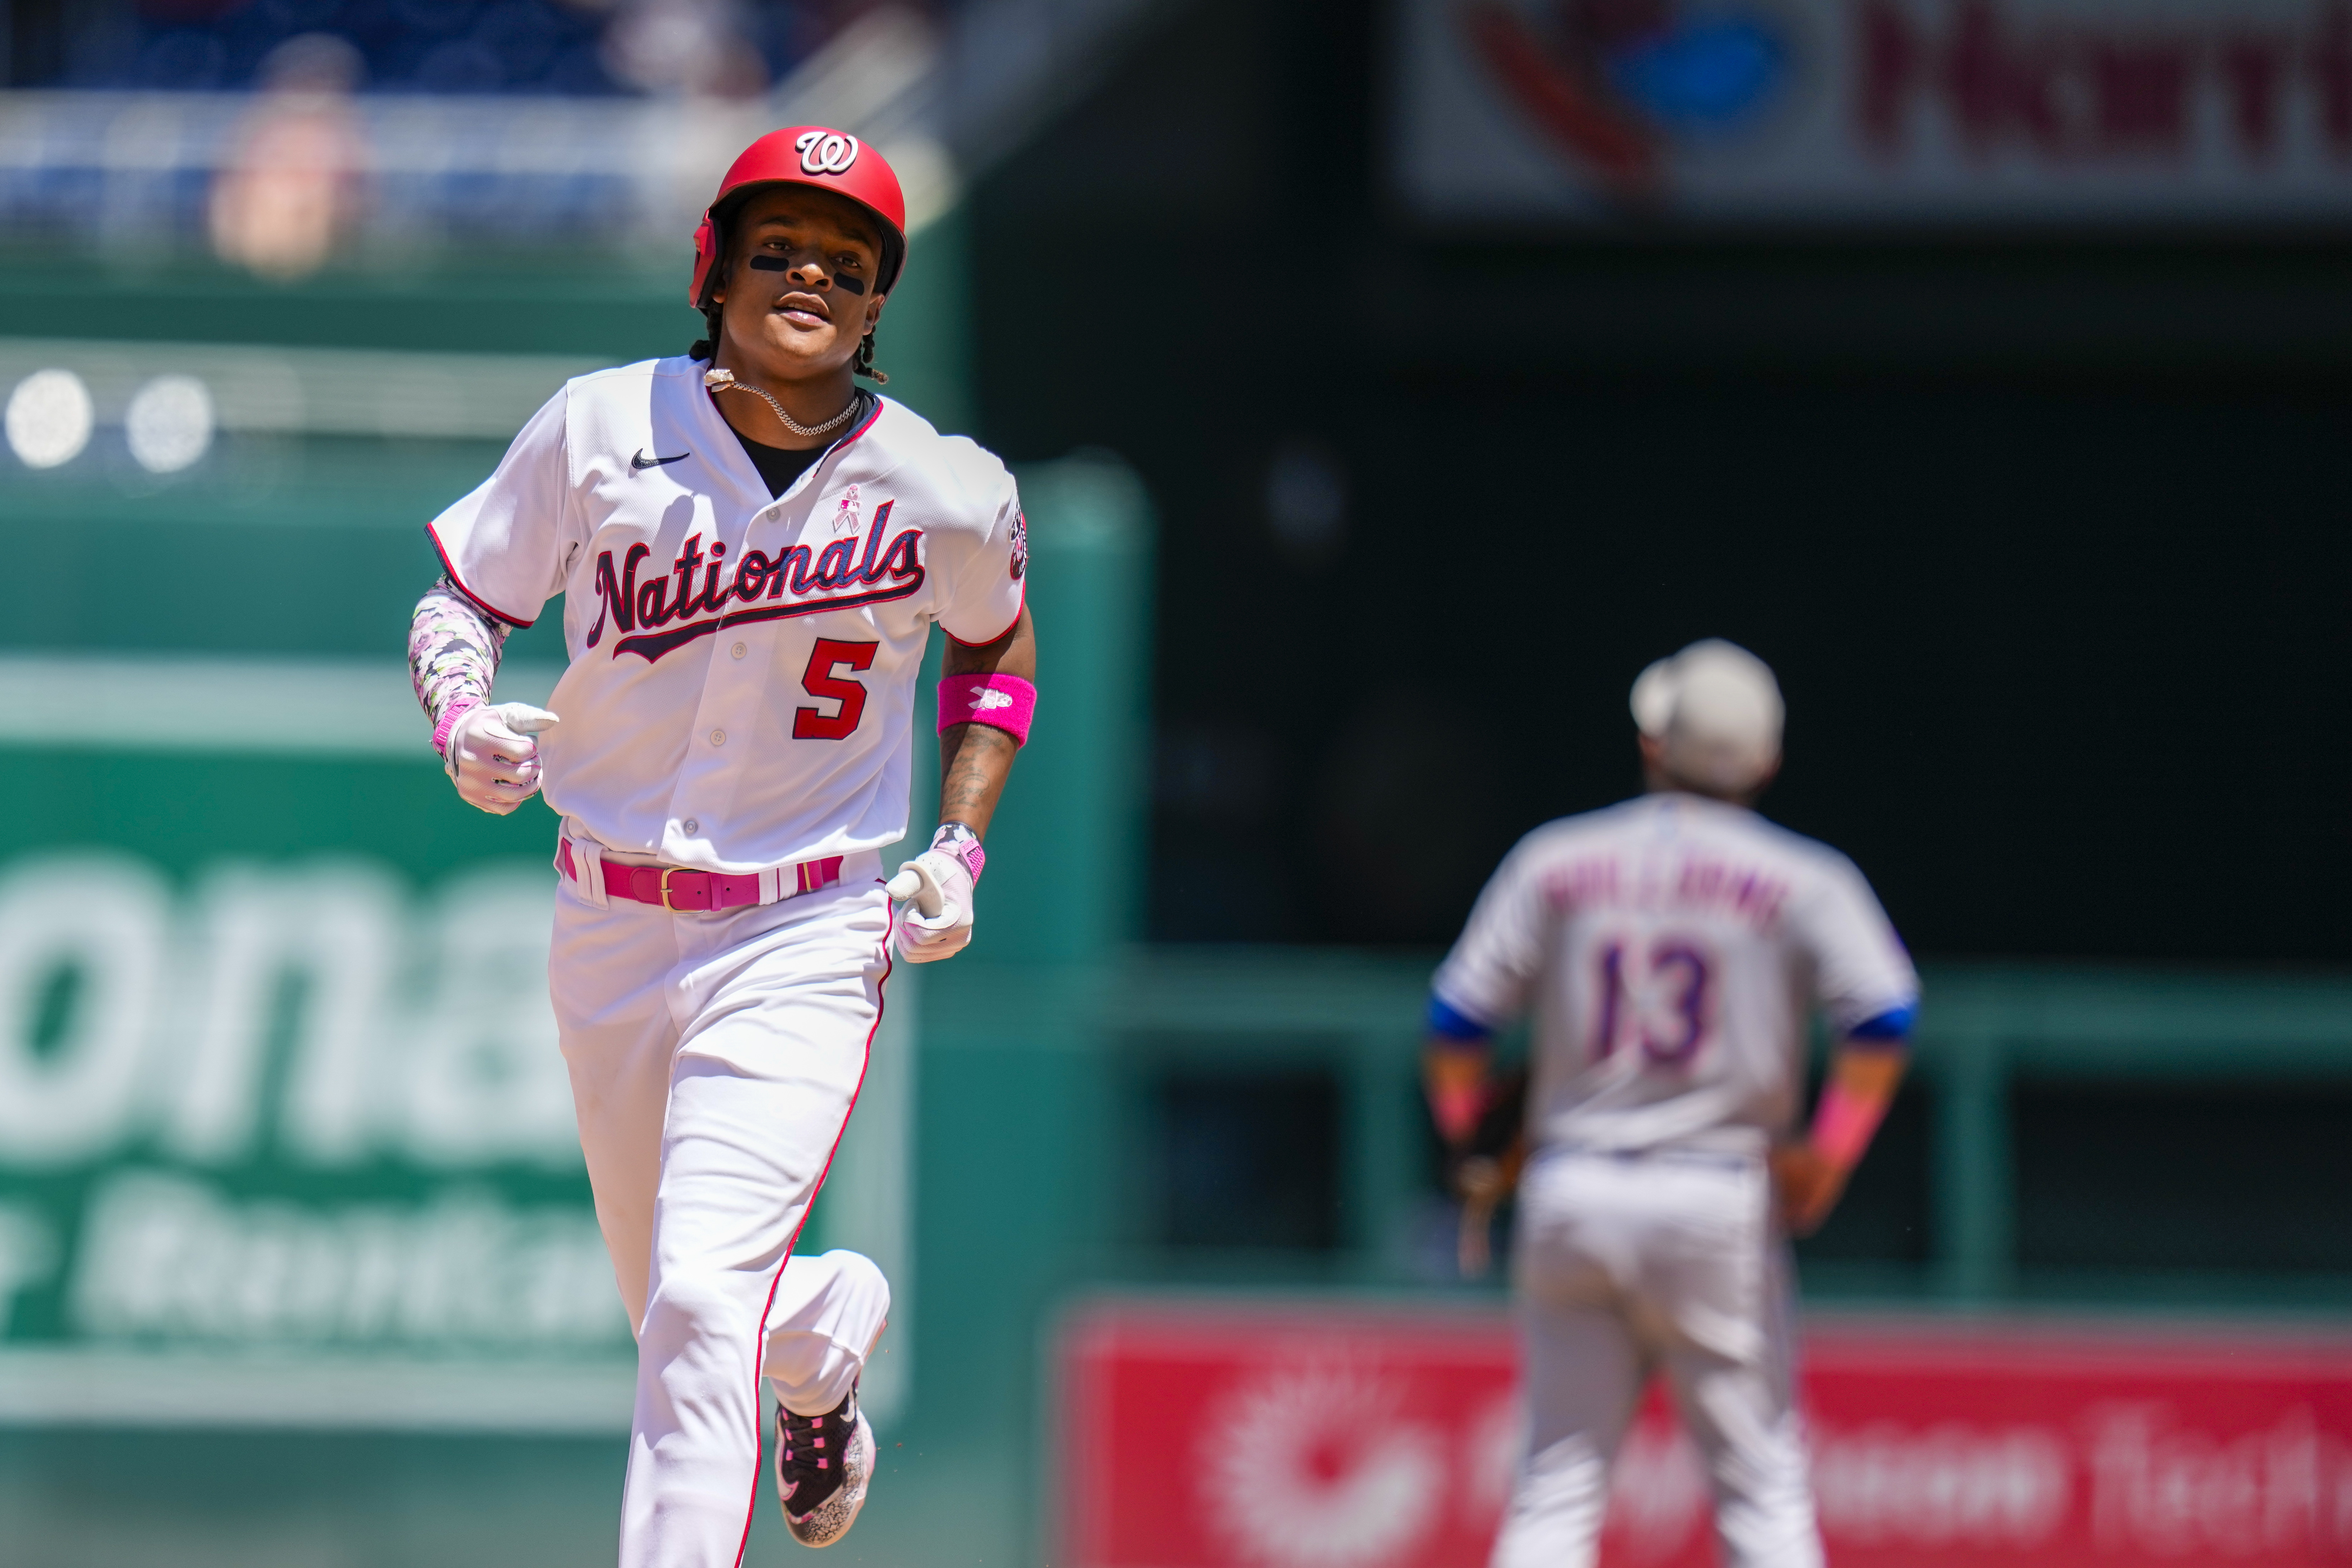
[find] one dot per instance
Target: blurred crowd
(728, 48)
(279, 133)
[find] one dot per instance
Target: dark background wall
(2040, 531)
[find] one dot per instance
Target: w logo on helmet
(825, 152)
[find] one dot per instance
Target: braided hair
(707, 348)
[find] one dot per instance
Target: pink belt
(677, 890)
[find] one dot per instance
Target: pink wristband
(1004, 702)
(1844, 1124)
(450, 717)
(1456, 1107)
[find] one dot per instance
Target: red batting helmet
(811, 155)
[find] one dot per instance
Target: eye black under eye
(766, 263)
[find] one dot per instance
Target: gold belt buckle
(667, 872)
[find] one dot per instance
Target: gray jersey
(1672, 950)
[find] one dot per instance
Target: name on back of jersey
(1692, 884)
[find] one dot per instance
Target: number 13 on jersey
(1657, 995)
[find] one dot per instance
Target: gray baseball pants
(1629, 1265)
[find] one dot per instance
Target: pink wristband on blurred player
(1844, 1124)
(1004, 702)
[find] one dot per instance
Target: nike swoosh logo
(641, 462)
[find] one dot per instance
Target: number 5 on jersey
(821, 681)
(1666, 1002)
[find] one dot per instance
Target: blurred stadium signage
(291, 1106)
(285, 1136)
(1863, 111)
(284, 1133)
(1318, 1436)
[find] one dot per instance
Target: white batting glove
(493, 755)
(937, 883)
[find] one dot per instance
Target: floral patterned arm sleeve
(452, 654)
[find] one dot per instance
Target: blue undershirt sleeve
(1449, 1023)
(1892, 1027)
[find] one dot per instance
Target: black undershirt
(780, 466)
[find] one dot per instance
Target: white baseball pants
(714, 1059)
(1628, 1265)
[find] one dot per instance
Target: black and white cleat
(822, 1463)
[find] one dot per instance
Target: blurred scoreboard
(1214, 1436)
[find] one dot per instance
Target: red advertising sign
(1249, 1436)
(1874, 112)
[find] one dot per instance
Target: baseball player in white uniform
(1671, 951)
(751, 553)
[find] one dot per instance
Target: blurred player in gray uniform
(1671, 951)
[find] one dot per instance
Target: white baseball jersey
(1671, 950)
(742, 667)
